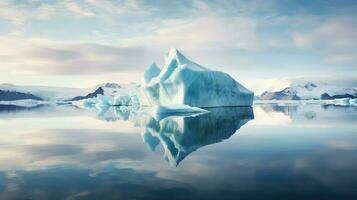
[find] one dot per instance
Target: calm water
(264, 152)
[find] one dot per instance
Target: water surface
(264, 152)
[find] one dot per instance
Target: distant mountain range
(287, 91)
(10, 92)
(308, 90)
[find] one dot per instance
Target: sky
(81, 43)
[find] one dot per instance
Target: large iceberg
(182, 81)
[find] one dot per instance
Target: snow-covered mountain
(114, 89)
(39, 92)
(307, 90)
(10, 92)
(110, 85)
(98, 91)
(109, 94)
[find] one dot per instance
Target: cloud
(76, 8)
(18, 14)
(50, 57)
(8, 12)
(52, 53)
(14, 16)
(237, 37)
(336, 39)
(131, 7)
(341, 58)
(336, 33)
(90, 8)
(202, 32)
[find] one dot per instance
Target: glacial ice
(126, 100)
(120, 100)
(115, 113)
(177, 109)
(86, 103)
(104, 101)
(152, 71)
(181, 81)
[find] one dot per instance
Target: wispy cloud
(76, 8)
(249, 39)
(202, 32)
(50, 57)
(336, 39)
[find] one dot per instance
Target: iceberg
(182, 81)
(126, 100)
(85, 103)
(104, 101)
(152, 71)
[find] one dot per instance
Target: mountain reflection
(181, 135)
(15, 108)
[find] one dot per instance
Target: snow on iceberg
(181, 81)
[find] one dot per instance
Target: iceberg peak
(181, 81)
(175, 54)
(151, 72)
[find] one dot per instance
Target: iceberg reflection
(181, 135)
(115, 113)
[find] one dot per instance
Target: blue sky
(86, 42)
